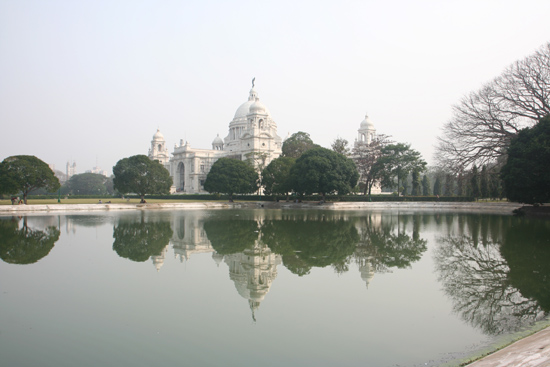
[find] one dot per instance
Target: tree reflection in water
(486, 265)
(307, 241)
(387, 244)
(229, 236)
(138, 240)
(319, 239)
(526, 249)
(25, 245)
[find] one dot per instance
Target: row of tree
(484, 183)
(306, 168)
(303, 168)
(383, 162)
(314, 170)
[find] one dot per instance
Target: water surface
(266, 287)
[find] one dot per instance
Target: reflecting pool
(267, 287)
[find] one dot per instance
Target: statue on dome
(253, 79)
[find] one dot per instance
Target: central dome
(244, 109)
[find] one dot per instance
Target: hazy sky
(91, 81)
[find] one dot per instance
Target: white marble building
(252, 135)
(366, 132)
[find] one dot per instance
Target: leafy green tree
(426, 189)
(449, 185)
(475, 188)
(340, 145)
(231, 176)
(366, 157)
(25, 173)
(397, 161)
(484, 182)
(437, 186)
(495, 184)
(322, 171)
(460, 183)
(416, 183)
(526, 174)
(138, 174)
(276, 176)
(109, 185)
(297, 144)
(140, 240)
(88, 184)
(25, 245)
(405, 188)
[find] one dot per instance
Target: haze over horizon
(91, 81)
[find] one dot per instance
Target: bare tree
(484, 122)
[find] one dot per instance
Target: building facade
(252, 136)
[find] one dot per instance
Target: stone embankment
(478, 207)
(533, 351)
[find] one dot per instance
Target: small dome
(367, 123)
(257, 107)
(217, 140)
(158, 135)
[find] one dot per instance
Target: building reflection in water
(188, 238)
(253, 244)
(253, 271)
(494, 269)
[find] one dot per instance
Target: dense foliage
(397, 162)
(340, 145)
(138, 174)
(323, 171)
(526, 174)
(366, 157)
(89, 184)
(276, 176)
(25, 173)
(297, 144)
(231, 176)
